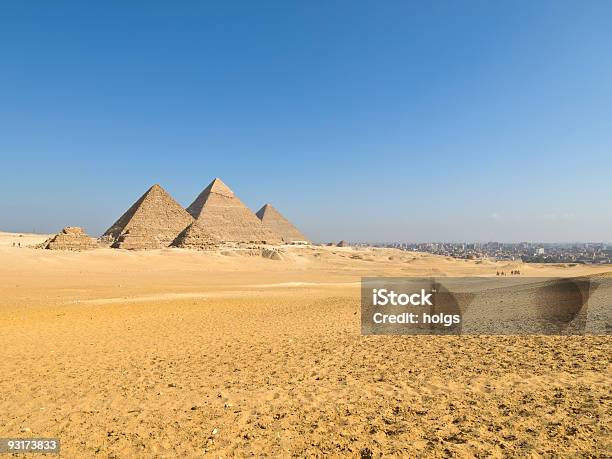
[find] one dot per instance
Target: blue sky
(358, 120)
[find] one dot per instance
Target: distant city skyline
(363, 121)
(527, 252)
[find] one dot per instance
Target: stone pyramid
(222, 214)
(274, 220)
(196, 236)
(153, 222)
(71, 238)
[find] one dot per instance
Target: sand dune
(179, 353)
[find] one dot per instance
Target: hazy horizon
(359, 121)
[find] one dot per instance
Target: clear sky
(377, 121)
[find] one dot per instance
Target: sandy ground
(175, 353)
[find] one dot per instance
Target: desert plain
(184, 353)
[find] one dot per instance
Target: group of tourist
(514, 272)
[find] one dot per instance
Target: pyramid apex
(155, 187)
(217, 186)
(155, 191)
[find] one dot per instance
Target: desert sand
(180, 353)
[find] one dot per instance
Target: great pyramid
(274, 220)
(196, 236)
(71, 238)
(154, 221)
(223, 215)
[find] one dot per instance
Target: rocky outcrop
(271, 254)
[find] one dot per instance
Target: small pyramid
(196, 236)
(71, 238)
(275, 221)
(224, 216)
(153, 222)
